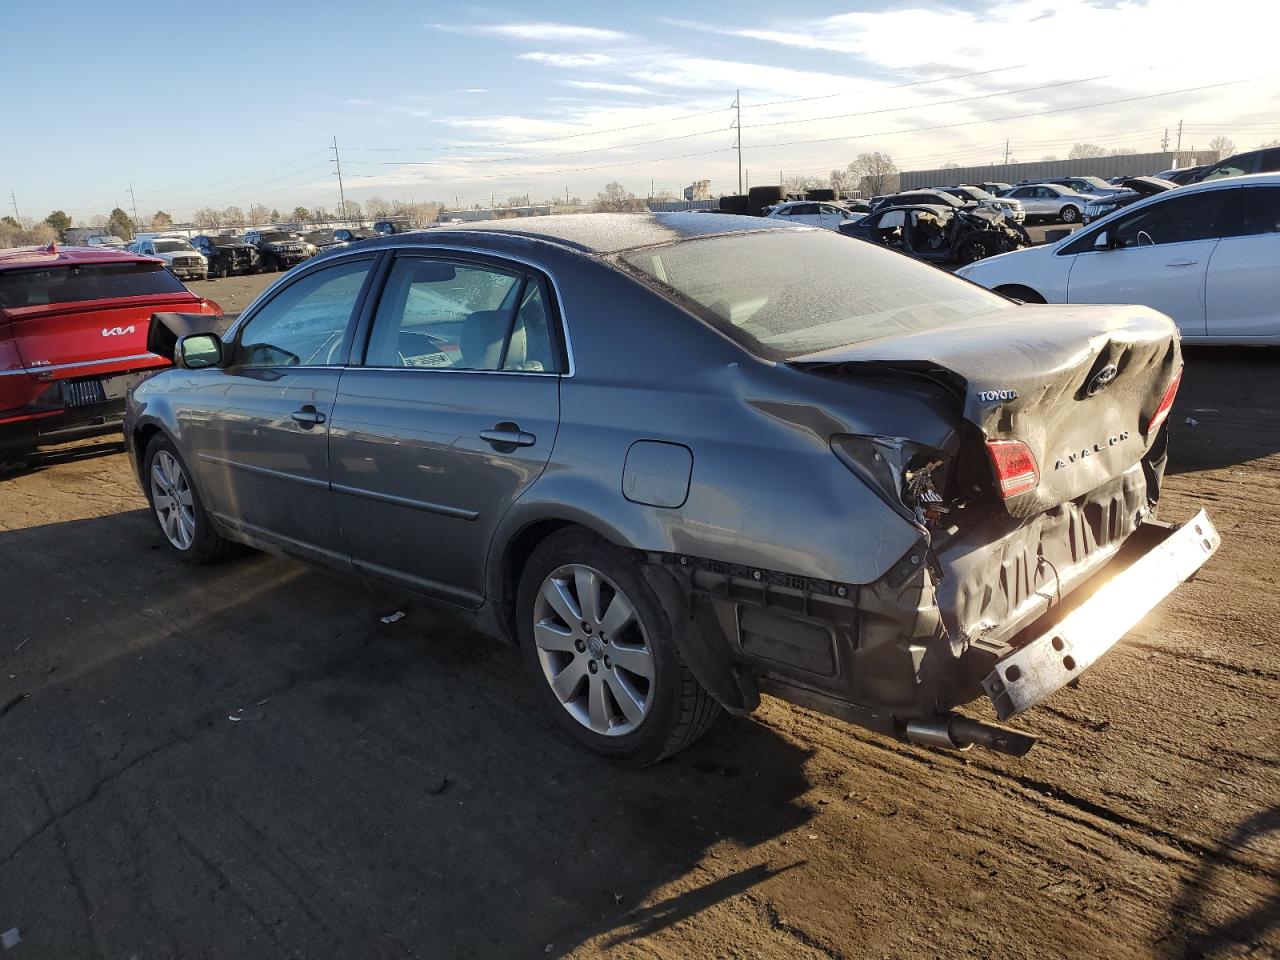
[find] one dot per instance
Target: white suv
(184, 260)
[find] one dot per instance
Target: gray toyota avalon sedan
(683, 460)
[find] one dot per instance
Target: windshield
(785, 294)
(278, 236)
(172, 246)
(31, 288)
(977, 193)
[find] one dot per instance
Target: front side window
(783, 294)
(442, 314)
(1176, 220)
(1233, 169)
(306, 324)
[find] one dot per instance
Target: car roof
(595, 233)
(931, 207)
(17, 258)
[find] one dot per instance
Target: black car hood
(1147, 186)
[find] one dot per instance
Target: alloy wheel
(593, 650)
(172, 499)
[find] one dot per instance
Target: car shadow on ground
(1228, 410)
(13, 465)
(246, 758)
(1199, 929)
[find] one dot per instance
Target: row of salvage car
(268, 250)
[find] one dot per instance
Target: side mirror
(1102, 241)
(198, 351)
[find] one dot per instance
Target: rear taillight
(1015, 466)
(1166, 404)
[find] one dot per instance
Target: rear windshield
(32, 288)
(786, 293)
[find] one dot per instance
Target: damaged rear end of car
(1020, 449)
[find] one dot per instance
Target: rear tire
(176, 506)
(1069, 214)
(600, 648)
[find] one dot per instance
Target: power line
(241, 176)
(687, 116)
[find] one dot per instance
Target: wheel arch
(1021, 292)
(514, 544)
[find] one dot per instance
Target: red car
(73, 338)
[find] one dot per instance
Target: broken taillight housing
(1166, 404)
(1015, 466)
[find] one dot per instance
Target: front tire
(176, 506)
(971, 251)
(600, 648)
(1069, 214)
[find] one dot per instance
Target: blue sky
(437, 101)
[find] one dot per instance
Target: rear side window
(1252, 211)
(784, 294)
(76, 284)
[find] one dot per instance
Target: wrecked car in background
(227, 256)
(685, 459)
(939, 234)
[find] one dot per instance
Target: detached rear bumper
(1059, 653)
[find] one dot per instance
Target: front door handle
(507, 434)
(1182, 263)
(308, 416)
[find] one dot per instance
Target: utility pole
(13, 202)
(1006, 152)
(737, 145)
(133, 202)
(1164, 141)
(342, 196)
(1179, 147)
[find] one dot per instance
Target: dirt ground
(244, 761)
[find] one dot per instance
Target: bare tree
(1224, 145)
(258, 215)
(1086, 151)
(232, 215)
(800, 184)
(377, 208)
(1049, 158)
(843, 182)
(206, 217)
(353, 211)
(1269, 143)
(613, 198)
(876, 171)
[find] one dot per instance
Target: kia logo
(117, 331)
(1101, 379)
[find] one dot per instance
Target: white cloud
(539, 32)
(568, 60)
(607, 87)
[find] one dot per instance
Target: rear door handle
(308, 416)
(1182, 263)
(508, 435)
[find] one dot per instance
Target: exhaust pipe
(954, 732)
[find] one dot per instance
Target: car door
(1032, 203)
(448, 419)
(1157, 255)
(1241, 289)
(258, 427)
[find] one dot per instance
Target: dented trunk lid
(1077, 384)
